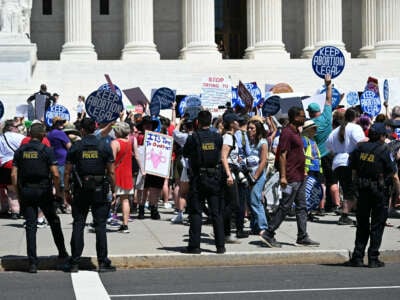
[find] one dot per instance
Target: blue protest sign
(352, 98)
(328, 60)
(1, 109)
(107, 87)
(165, 96)
(236, 101)
(370, 103)
(155, 106)
(189, 101)
(254, 91)
(56, 111)
(314, 193)
(104, 106)
(335, 96)
(271, 106)
(386, 90)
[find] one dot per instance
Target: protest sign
(1, 109)
(56, 111)
(22, 111)
(318, 98)
(386, 90)
(104, 105)
(287, 103)
(245, 95)
(107, 87)
(136, 96)
(191, 104)
(215, 91)
(236, 101)
(155, 106)
(281, 88)
(271, 106)
(40, 104)
(336, 97)
(314, 193)
(158, 153)
(352, 98)
(31, 111)
(370, 103)
(328, 60)
(165, 96)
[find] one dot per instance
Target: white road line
(260, 291)
(87, 285)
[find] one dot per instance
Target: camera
(242, 179)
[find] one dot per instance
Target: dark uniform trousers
(372, 202)
(33, 198)
(207, 186)
(100, 208)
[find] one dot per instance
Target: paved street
(254, 282)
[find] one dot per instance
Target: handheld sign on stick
(328, 60)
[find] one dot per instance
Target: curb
(143, 261)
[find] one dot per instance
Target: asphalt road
(258, 282)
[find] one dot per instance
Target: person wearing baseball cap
(376, 171)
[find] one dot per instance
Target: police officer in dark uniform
(91, 163)
(32, 165)
(374, 169)
(203, 148)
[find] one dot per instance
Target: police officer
(376, 169)
(203, 149)
(32, 165)
(91, 163)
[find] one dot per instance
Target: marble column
(251, 25)
(78, 31)
(199, 30)
(368, 37)
(138, 31)
(310, 30)
(388, 29)
(329, 24)
(268, 30)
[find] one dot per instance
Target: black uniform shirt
(211, 149)
(371, 159)
(95, 158)
(33, 161)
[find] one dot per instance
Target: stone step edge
(142, 261)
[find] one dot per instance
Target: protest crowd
(239, 169)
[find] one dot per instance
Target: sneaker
(191, 250)
(337, 210)
(32, 268)
(42, 224)
(345, 220)
(271, 242)
(167, 205)
(221, 250)
(312, 218)
(106, 267)
(376, 263)
(229, 239)
(155, 215)
(354, 262)
(14, 216)
(123, 229)
(321, 212)
(306, 241)
(178, 219)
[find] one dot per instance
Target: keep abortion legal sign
(328, 60)
(104, 105)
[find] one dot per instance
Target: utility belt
(90, 183)
(43, 184)
(210, 171)
(370, 183)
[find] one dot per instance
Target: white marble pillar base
(270, 49)
(367, 52)
(140, 51)
(78, 52)
(249, 53)
(387, 50)
(200, 51)
(308, 52)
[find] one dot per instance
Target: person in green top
(323, 121)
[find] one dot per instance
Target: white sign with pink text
(158, 153)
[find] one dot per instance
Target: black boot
(154, 214)
(141, 212)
